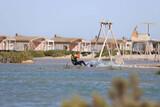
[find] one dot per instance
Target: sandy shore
(28, 62)
(147, 57)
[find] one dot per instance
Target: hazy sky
(77, 18)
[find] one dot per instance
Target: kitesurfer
(74, 59)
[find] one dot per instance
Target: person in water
(74, 60)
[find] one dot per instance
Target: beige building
(128, 45)
(71, 44)
(65, 43)
(35, 43)
(96, 45)
(48, 44)
(7, 43)
(85, 46)
(142, 43)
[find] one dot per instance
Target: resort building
(142, 43)
(43, 44)
(96, 44)
(7, 43)
(24, 43)
(69, 44)
(128, 45)
(48, 44)
(85, 46)
(125, 45)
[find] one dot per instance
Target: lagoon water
(47, 82)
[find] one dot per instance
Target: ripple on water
(47, 83)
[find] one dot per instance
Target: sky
(78, 18)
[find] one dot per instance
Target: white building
(7, 43)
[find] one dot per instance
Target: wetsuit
(76, 62)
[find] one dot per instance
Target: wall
(61, 46)
(22, 46)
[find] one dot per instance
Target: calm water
(47, 82)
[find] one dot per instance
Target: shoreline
(125, 57)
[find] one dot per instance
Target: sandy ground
(149, 57)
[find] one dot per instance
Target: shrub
(49, 53)
(37, 53)
(57, 53)
(158, 72)
(106, 53)
(14, 57)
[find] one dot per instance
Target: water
(47, 83)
